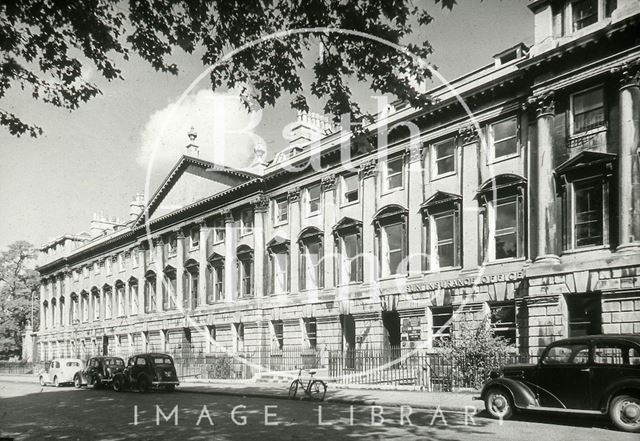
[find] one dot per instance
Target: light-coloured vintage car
(59, 371)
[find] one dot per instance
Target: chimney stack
(136, 207)
(308, 127)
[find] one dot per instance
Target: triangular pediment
(191, 180)
(440, 197)
(585, 159)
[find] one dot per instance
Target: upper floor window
(348, 244)
(280, 211)
(245, 272)
(194, 238)
(171, 245)
(76, 275)
(96, 268)
(350, 185)
(313, 199)
(311, 265)
(587, 110)
(443, 158)
(584, 13)
(392, 173)
(279, 267)
(503, 136)
(442, 231)
(218, 230)
(584, 185)
(215, 279)
(135, 257)
(121, 262)
(108, 263)
(391, 232)
(246, 222)
(502, 213)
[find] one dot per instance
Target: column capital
(368, 169)
(179, 234)
(629, 74)
(468, 134)
(414, 152)
(157, 241)
(328, 183)
(227, 215)
(293, 195)
(260, 203)
(544, 103)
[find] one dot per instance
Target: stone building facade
(521, 206)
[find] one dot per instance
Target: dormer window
(584, 13)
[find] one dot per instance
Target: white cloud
(222, 123)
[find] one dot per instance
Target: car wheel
(498, 404)
(118, 384)
(624, 412)
(97, 381)
(77, 382)
(42, 382)
(144, 384)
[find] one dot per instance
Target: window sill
(389, 191)
(589, 132)
(346, 285)
(280, 224)
(504, 158)
(442, 176)
(350, 204)
(315, 213)
(503, 261)
(392, 277)
(585, 249)
(194, 248)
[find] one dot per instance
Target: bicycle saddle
(312, 372)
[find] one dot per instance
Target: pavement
(344, 394)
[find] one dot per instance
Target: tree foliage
(474, 351)
(17, 283)
(46, 43)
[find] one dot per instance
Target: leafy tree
(17, 283)
(45, 43)
(474, 351)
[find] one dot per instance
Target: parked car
(597, 374)
(59, 371)
(147, 371)
(98, 372)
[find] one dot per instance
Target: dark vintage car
(98, 372)
(147, 371)
(597, 374)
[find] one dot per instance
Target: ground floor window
(503, 320)
(441, 323)
(585, 312)
(311, 332)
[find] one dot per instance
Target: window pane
(585, 12)
(394, 235)
(506, 147)
(445, 149)
(504, 129)
(588, 110)
(445, 165)
(444, 227)
(506, 215)
(506, 246)
(446, 255)
(313, 198)
(351, 184)
(394, 165)
(394, 173)
(607, 354)
(588, 214)
(567, 354)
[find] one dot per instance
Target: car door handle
(585, 370)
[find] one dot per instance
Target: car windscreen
(73, 364)
(114, 362)
(162, 360)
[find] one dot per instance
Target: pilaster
(470, 142)
(329, 220)
(295, 213)
(260, 208)
(231, 260)
(368, 173)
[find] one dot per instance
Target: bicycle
(315, 389)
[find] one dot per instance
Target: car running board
(559, 409)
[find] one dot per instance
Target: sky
(95, 159)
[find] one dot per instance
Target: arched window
(278, 250)
(348, 251)
(107, 293)
(54, 307)
(441, 223)
(191, 283)
(215, 279)
(84, 307)
(132, 298)
(61, 307)
(311, 269)
(502, 213)
(169, 286)
(150, 292)
(45, 314)
(74, 310)
(119, 299)
(95, 298)
(245, 271)
(391, 240)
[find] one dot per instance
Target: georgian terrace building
(527, 214)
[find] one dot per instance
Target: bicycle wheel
(317, 390)
(293, 389)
